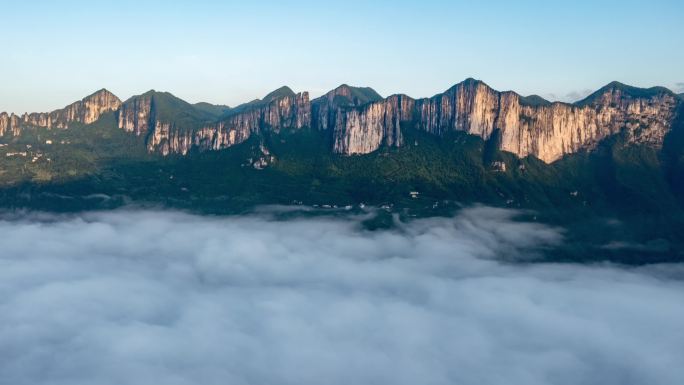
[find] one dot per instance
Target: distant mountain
(361, 121)
(534, 101)
(624, 90)
(608, 167)
(325, 108)
(214, 110)
(280, 93)
(143, 114)
(87, 110)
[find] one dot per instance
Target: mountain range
(609, 168)
(361, 121)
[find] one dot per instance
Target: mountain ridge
(360, 121)
(623, 181)
(531, 96)
(87, 110)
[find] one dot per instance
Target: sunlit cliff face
(545, 130)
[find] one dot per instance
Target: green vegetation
(534, 101)
(358, 96)
(620, 202)
(168, 108)
(361, 96)
(634, 92)
(213, 110)
(281, 92)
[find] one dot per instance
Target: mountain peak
(471, 82)
(615, 84)
(102, 96)
(534, 101)
(216, 110)
(468, 82)
(147, 93)
(624, 89)
(281, 92)
(346, 95)
(160, 97)
(101, 91)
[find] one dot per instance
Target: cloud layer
(171, 298)
(679, 87)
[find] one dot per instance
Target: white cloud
(170, 298)
(679, 87)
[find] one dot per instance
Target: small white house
(498, 166)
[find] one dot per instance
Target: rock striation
(324, 110)
(291, 111)
(545, 130)
(86, 111)
(135, 114)
(363, 130)
(359, 121)
(185, 128)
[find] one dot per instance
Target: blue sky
(229, 52)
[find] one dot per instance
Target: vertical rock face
(162, 140)
(360, 121)
(135, 114)
(547, 130)
(5, 124)
(10, 123)
(365, 129)
(324, 109)
(144, 115)
(469, 106)
(86, 111)
(288, 111)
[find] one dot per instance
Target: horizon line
(614, 82)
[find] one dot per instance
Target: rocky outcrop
(325, 108)
(290, 111)
(135, 114)
(549, 132)
(365, 129)
(86, 111)
(359, 121)
(9, 123)
(545, 130)
(286, 112)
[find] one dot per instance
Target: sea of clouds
(145, 297)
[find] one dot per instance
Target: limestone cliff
(9, 123)
(135, 114)
(173, 126)
(365, 129)
(359, 121)
(291, 111)
(85, 111)
(545, 130)
(325, 108)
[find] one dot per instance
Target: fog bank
(170, 298)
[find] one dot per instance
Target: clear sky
(228, 52)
